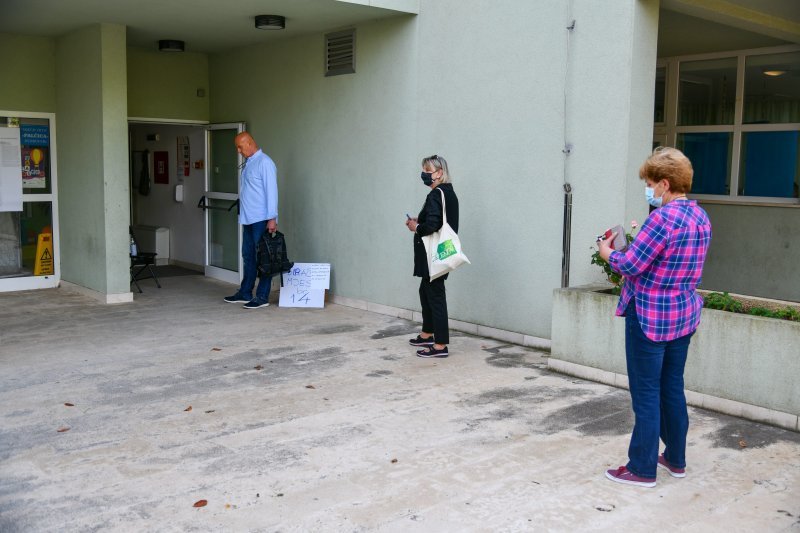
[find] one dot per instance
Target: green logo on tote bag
(445, 250)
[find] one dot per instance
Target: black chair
(141, 262)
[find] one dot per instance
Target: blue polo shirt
(258, 192)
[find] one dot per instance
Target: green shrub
(723, 302)
(788, 313)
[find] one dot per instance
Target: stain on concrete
(379, 373)
(401, 395)
(495, 395)
(506, 403)
(392, 357)
(739, 434)
(609, 414)
(515, 358)
(405, 327)
(505, 413)
(221, 373)
(334, 329)
(273, 457)
(30, 436)
(336, 435)
(525, 395)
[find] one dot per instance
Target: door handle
(202, 204)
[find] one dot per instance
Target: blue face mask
(427, 178)
(649, 194)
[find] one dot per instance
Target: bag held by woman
(443, 248)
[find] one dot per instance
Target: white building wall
(481, 83)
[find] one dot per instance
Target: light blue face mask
(649, 194)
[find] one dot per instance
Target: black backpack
(271, 256)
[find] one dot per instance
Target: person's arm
(640, 254)
(271, 193)
(433, 215)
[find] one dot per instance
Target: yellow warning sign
(43, 265)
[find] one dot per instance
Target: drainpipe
(567, 223)
(567, 235)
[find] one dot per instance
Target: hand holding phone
(620, 241)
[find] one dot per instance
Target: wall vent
(340, 53)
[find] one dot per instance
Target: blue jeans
(251, 234)
(655, 376)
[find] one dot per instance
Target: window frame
(670, 130)
(45, 281)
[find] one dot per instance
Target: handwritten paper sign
(305, 284)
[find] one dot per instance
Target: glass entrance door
(221, 203)
(29, 244)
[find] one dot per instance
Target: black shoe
(431, 352)
(236, 299)
(256, 303)
(419, 341)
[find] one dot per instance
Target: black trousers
(433, 298)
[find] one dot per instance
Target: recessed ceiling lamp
(774, 73)
(270, 22)
(170, 45)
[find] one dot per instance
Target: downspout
(567, 223)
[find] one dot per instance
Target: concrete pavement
(324, 420)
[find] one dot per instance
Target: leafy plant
(615, 279)
(714, 300)
(723, 302)
(789, 313)
(726, 302)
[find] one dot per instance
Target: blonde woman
(435, 335)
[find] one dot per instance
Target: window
(707, 92)
(710, 154)
(736, 115)
(661, 95)
(769, 164)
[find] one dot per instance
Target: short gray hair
(438, 163)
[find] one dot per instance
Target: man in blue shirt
(258, 212)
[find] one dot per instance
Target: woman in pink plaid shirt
(662, 268)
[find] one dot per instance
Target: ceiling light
(170, 45)
(270, 22)
(774, 73)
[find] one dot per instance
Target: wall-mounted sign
(184, 162)
(161, 167)
(35, 141)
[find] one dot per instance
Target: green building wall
(167, 86)
(28, 67)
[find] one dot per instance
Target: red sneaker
(674, 471)
(623, 475)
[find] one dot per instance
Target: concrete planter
(738, 364)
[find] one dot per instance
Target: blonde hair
(666, 163)
(437, 162)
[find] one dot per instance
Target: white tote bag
(443, 248)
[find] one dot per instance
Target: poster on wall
(183, 156)
(161, 167)
(35, 143)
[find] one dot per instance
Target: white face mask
(649, 194)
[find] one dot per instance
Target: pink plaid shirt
(662, 268)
